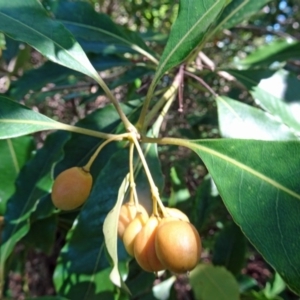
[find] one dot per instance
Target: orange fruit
(71, 188)
(144, 247)
(132, 230)
(127, 213)
(178, 246)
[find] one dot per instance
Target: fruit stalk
(154, 190)
(118, 137)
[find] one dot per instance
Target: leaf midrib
(47, 38)
(184, 38)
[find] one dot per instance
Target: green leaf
(35, 79)
(287, 114)
(209, 282)
(188, 31)
(78, 287)
(284, 85)
(277, 51)
(46, 35)
(230, 249)
(42, 234)
(110, 230)
(29, 189)
(17, 120)
(261, 191)
(238, 120)
(238, 11)
(14, 153)
(96, 31)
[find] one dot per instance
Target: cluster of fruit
(165, 240)
(168, 241)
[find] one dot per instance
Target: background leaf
(28, 191)
(238, 120)
(237, 11)
(46, 35)
(17, 120)
(209, 282)
(188, 31)
(263, 202)
(14, 153)
(230, 249)
(277, 51)
(96, 32)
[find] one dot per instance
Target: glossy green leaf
(230, 249)
(238, 120)
(238, 11)
(110, 230)
(188, 31)
(17, 120)
(29, 189)
(261, 191)
(14, 153)
(209, 282)
(96, 31)
(287, 114)
(46, 35)
(277, 51)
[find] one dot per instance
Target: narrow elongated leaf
(110, 230)
(46, 35)
(238, 120)
(97, 32)
(188, 31)
(259, 184)
(14, 153)
(209, 282)
(277, 51)
(17, 120)
(238, 11)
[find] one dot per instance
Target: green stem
(129, 127)
(140, 123)
(145, 116)
(153, 187)
(118, 137)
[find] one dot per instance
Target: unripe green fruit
(71, 188)
(178, 246)
(132, 230)
(144, 247)
(127, 214)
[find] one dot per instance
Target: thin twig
(202, 82)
